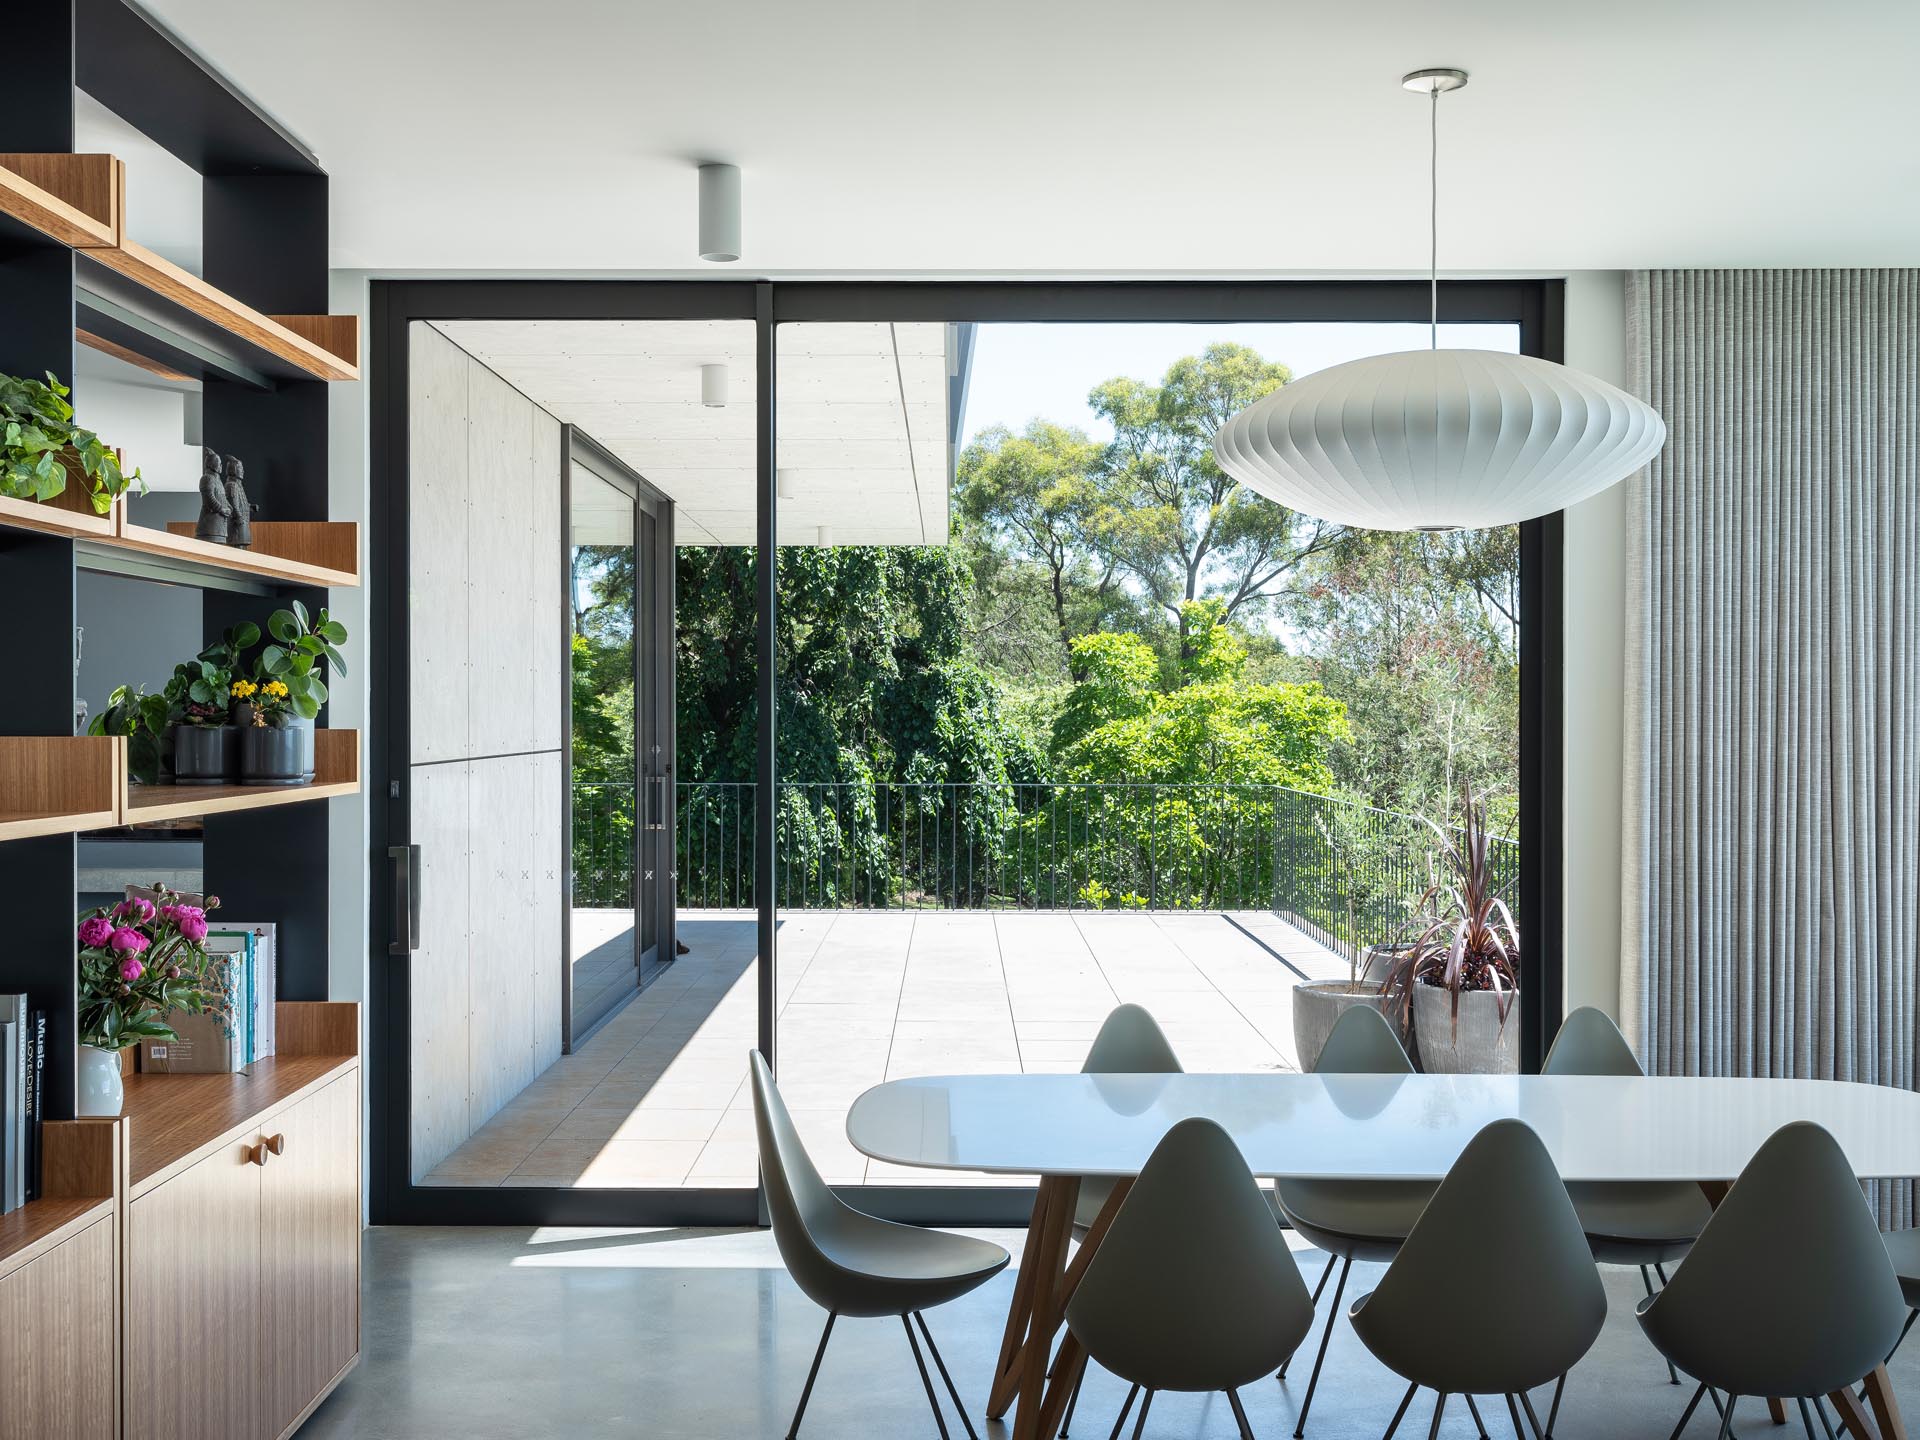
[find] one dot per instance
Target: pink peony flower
(130, 941)
(135, 909)
(131, 969)
(192, 923)
(95, 931)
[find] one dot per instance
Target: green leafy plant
(294, 661)
(1468, 940)
(200, 692)
(143, 719)
(37, 431)
(139, 962)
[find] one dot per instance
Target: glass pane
(1069, 719)
(602, 583)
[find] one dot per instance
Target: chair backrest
(1589, 1043)
(1130, 1042)
(1194, 1287)
(1495, 1289)
(1362, 1043)
(1788, 1291)
(798, 1200)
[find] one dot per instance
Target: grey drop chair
(1903, 1249)
(1494, 1291)
(1648, 1225)
(1789, 1291)
(1130, 1042)
(1352, 1220)
(1194, 1288)
(853, 1264)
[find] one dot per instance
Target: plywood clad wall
(486, 601)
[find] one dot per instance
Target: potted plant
(205, 744)
(1454, 986)
(139, 960)
(147, 722)
(285, 695)
(1319, 1004)
(40, 447)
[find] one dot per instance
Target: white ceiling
(862, 426)
(1240, 136)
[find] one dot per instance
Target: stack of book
(222, 1044)
(24, 1054)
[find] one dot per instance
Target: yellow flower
(276, 688)
(241, 689)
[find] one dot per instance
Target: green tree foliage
(1181, 525)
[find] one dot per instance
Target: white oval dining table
(1359, 1127)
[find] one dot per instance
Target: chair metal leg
(1646, 1279)
(813, 1373)
(1124, 1410)
(1687, 1414)
(1325, 1275)
(1240, 1415)
(1806, 1419)
(1478, 1423)
(1146, 1404)
(1439, 1409)
(1073, 1400)
(1553, 1412)
(1726, 1417)
(1398, 1415)
(1513, 1414)
(1526, 1404)
(959, 1408)
(1661, 1271)
(1313, 1381)
(1820, 1409)
(926, 1379)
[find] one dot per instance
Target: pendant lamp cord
(1433, 219)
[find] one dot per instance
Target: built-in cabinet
(57, 1338)
(243, 1278)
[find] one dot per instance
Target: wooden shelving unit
(336, 771)
(56, 784)
(79, 201)
(68, 513)
(294, 552)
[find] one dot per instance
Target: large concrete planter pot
(1317, 1008)
(1482, 1046)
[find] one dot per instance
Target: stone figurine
(240, 523)
(215, 509)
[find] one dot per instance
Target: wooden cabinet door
(57, 1339)
(193, 1304)
(309, 1250)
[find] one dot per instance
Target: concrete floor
(507, 1334)
(658, 1096)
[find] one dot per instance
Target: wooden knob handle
(257, 1154)
(276, 1143)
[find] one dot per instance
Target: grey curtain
(1772, 827)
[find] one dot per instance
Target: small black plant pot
(204, 755)
(274, 756)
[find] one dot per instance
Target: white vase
(100, 1092)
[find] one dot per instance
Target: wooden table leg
(1886, 1409)
(1036, 1351)
(1020, 1312)
(1072, 1359)
(1853, 1419)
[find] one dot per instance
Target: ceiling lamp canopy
(1438, 439)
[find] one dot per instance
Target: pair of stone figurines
(225, 518)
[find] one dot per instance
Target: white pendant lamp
(1438, 439)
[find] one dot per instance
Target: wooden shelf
(176, 1119)
(336, 771)
(70, 512)
(82, 1163)
(78, 201)
(324, 553)
(75, 199)
(55, 785)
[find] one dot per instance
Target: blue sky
(1021, 372)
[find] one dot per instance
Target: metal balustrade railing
(1345, 872)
